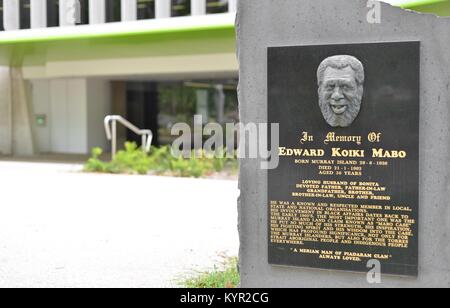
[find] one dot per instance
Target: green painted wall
(29, 52)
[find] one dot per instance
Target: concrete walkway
(63, 228)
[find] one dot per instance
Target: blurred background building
(65, 64)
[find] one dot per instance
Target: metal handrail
(111, 133)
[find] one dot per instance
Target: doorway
(142, 109)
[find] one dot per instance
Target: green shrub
(94, 164)
(132, 160)
(227, 277)
(197, 167)
(180, 166)
(160, 160)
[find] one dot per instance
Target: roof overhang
(207, 34)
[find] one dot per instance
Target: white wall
(41, 106)
(38, 12)
(75, 109)
(68, 116)
(11, 15)
(98, 106)
(67, 13)
(97, 12)
(77, 116)
(64, 102)
(128, 10)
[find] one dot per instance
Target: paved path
(62, 228)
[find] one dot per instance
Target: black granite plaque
(346, 188)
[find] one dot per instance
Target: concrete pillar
(97, 12)
(232, 6)
(299, 23)
(129, 10)
(38, 14)
(22, 115)
(16, 124)
(5, 112)
(11, 15)
(198, 7)
(162, 8)
(68, 12)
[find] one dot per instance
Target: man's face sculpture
(341, 81)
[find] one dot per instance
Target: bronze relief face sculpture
(341, 87)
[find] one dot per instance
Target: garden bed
(160, 161)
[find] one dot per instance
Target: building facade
(66, 64)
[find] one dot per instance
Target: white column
(11, 15)
(38, 14)
(162, 8)
(232, 6)
(68, 12)
(198, 7)
(23, 141)
(97, 12)
(129, 10)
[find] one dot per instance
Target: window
(181, 7)
(52, 13)
(113, 11)
(216, 6)
(2, 27)
(25, 12)
(214, 100)
(84, 12)
(146, 9)
(160, 105)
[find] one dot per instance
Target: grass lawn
(225, 277)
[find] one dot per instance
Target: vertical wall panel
(58, 116)
(67, 12)
(198, 7)
(38, 14)
(97, 11)
(77, 116)
(11, 15)
(162, 8)
(98, 106)
(129, 10)
(42, 106)
(232, 5)
(68, 116)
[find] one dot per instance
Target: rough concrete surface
(63, 228)
(265, 23)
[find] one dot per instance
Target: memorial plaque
(346, 188)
